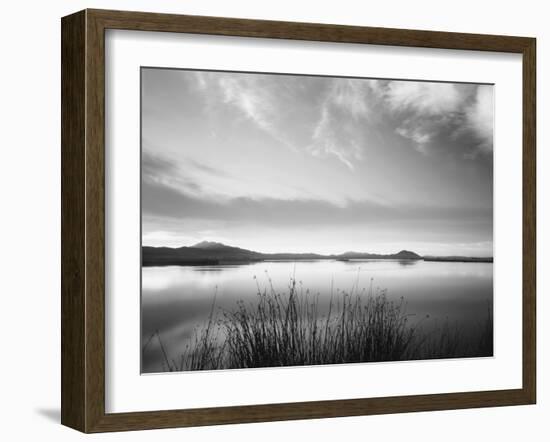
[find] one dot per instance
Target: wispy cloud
(339, 117)
(334, 136)
(254, 102)
(352, 96)
(420, 135)
(165, 201)
(255, 97)
(480, 117)
(432, 111)
(423, 98)
(344, 119)
(180, 174)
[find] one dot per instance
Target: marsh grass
(294, 328)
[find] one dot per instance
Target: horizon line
(318, 253)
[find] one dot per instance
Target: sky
(287, 163)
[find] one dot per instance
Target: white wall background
(30, 217)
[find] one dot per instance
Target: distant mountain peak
(403, 254)
(408, 254)
(209, 245)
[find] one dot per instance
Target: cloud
(333, 135)
(480, 117)
(153, 165)
(253, 101)
(426, 109)
(163, 201)
(443, 116)
(323, 116)
(344, 118)
(181, 175)
(205, 168)
(256, 97)
(422, 97)
(351, 95)
(434, 116)
(338, 118)
(420, 135)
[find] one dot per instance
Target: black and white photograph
(271, 221)
(301, 220)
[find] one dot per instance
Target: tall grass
(294, 329)
(289, 330)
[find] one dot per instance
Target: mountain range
(207, 252)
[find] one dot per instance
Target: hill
(207, 252)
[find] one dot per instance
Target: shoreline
(216, 262)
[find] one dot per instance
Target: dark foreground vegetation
(294, 329)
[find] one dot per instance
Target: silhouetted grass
(290, 330)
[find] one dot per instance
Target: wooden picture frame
(83, 220)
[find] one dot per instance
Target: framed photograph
(267, 220)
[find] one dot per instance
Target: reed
(290, 330)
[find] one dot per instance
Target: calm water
(176, 299)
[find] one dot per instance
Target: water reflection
(175, 299)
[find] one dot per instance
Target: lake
(176, 299)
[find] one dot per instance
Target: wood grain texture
(95, 222)
(73, 257)
(529, 220)
(145, 21)
(83, 220)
